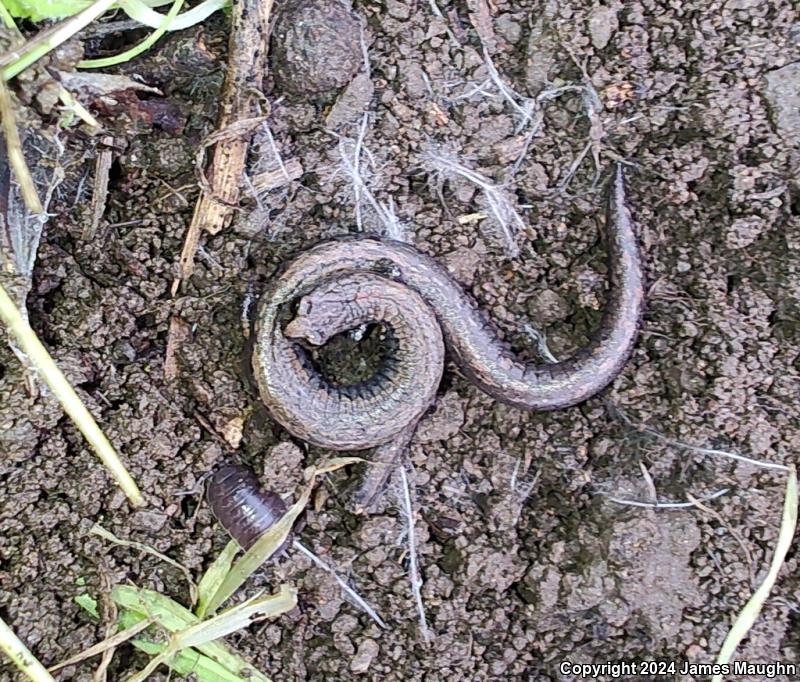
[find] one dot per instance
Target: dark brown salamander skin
(243, 509)
(344, 283)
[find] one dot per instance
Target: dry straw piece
(13, 647)
(44, 364)
(748, 615)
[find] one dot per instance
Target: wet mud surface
(526, 563)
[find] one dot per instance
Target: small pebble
(603, 24)
(367, 651)
(151, 521)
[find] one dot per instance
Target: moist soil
(526, 561)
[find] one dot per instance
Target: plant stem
(7, 19)
(45, 365)
(50, 38)
(413, 563)
(166, 22)
(349, 591)
(749, 613)
(20, 656)
(16, 157)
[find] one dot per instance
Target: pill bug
(247, 511)
(242, 507)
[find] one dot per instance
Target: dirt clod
(602, 24)
(443, 422)
(316, 47)
(366, 653)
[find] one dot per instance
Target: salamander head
(321, 314)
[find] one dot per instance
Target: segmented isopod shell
(241, 506)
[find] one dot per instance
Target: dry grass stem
(663, 505)
(500, 204)
(648, 480)
(356, 598)
(20, 656)
(522, 105)
(438, 14)
(358, 163)
(42, 361)
(16, 158)
(413, 562)
(715, 514)
(102, 168)
(710, 452)
(110, 537)
(246, 66)
(108, 644)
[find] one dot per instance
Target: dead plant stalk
(413, 563)
(246, 66)
(44, 364)
(14, 648)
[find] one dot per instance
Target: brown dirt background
(512, 586)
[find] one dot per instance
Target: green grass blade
(744, 621)
(142, 12)
(214, 577)
(236, 618)
(44, 364)
(50, 38)
(7, 19)
(136, 50)
(13, 647)
(173, 617)
(191, 662)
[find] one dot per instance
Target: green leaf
(214, 577)
(39, 10)
(190, 661)
(237, 618)
(88, 604)
(173, 617)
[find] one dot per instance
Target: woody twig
(239, 116)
